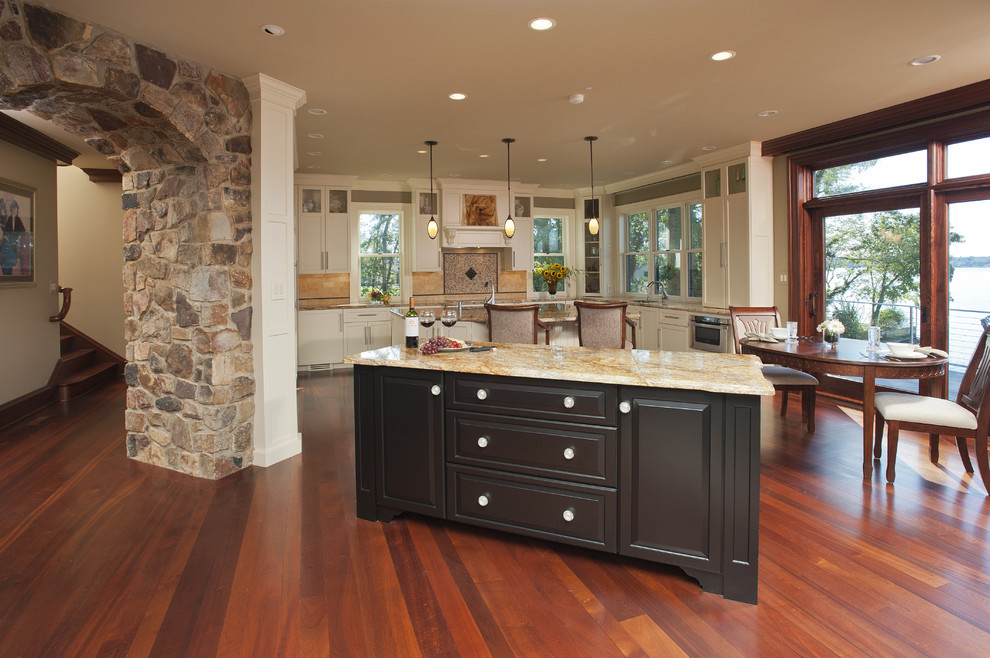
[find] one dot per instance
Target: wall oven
(709, 333)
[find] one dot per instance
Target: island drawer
(580, 515)
(534, 398)
(581, 453)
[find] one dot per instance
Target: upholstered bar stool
(515, 323)
(604, 325)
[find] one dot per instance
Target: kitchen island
(647, 454)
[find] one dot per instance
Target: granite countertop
(478, 315)
(715, 373)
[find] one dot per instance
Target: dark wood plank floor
(102, 556)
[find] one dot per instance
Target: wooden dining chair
(603, 324)
(760, 320)
(966, 418)
(515, 323)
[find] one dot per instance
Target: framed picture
(16, 233)
(480, 210)
(427, 203)
(522, 206)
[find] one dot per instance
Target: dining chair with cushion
(602, 324)
(761, 320)
(515, 323)
(966, 418)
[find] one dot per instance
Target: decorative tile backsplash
(466, 273)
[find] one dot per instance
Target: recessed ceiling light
(457, 96)
(421, 152)
(315, 136)
(667, 162)
(273, 30)
(541, 24)
(723, 55)
(385, 175)
(317, 111)
(541, 159)
(927, 59)
(314, 153)
(312, 166)
(767, 113)
(708, 148)
(483, 155)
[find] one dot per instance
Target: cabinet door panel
(672, 338)
(355, 338)
(311, 244)
(410, 442)
(671, 478)
(336, 243)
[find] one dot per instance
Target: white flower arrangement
(832, 326)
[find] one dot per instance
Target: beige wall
(90, 255)
(780, 245)
(29, 349)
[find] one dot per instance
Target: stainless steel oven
(709, 333)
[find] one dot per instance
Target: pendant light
(431, 228)
(510, 225)
(593, 221)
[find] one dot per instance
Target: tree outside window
(548, 247)
(379, 252)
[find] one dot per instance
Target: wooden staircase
(84, 364)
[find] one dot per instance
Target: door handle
(813, 304)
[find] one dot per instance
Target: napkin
(763, 338)
(931, 351)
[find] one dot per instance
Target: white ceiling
(382, 69)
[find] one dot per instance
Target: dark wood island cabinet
(540, 441)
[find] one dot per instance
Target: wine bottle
(412, 325)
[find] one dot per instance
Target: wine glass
(427, 318)
(448, 318)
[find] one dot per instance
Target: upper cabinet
(738, 231)
(323, 223)
(474, 212)
(426, 250)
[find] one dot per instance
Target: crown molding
(29, 139)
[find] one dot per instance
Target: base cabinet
(668, 476)
(672, 331)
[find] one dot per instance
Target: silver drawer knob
(569, 402)
(482, 441)
(568, 515)
(482, 394)
(483, 501)
(568, 453)
(435, 390)
(625, 407)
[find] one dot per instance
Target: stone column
(273, 105)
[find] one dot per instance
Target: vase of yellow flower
(553, 274)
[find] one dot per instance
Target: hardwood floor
(103, 556)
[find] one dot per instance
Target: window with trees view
(664, 244)
(548, 247)
(378, 246)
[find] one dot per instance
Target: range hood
(462, 237)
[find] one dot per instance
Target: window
(664, 244)
(548, 247)
(378, 247)
(903, 169)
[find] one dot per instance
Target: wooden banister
(66, 303)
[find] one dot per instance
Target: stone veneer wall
(180, 134)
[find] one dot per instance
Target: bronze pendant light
(510, 224)
(432, 228)
(593, 225)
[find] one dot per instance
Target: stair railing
(66, 303)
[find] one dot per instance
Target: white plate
(466, 346)
(907, 356)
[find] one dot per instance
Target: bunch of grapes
(438, 343)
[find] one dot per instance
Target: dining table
(850, 357)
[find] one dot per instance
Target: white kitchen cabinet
(522, 245)
(366, 329)
(672, 330)
(323, 224)
(646, 330)
(738, 231)
(320, 337)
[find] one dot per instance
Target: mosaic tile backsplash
(466, 273)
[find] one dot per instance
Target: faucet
(663, 291)
(491, 300)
